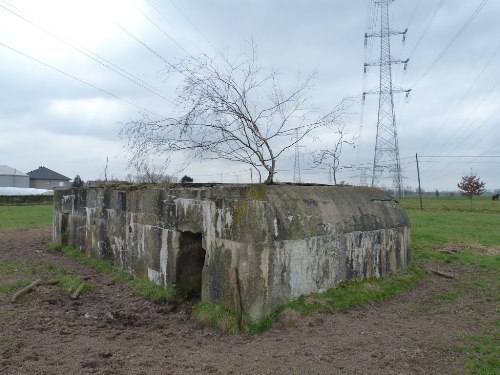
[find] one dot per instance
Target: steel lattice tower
(386, 145)
(296, 167)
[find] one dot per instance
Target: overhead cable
(80, 80)
(452, 41)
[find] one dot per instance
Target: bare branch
(231, 109)
(330, 156)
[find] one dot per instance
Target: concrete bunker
(281, 241)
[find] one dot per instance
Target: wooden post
(419, 188)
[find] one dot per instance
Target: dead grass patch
(469, 246)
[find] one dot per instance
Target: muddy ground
(111, 330)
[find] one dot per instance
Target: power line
(372, 14)
(461, 139)
(192, 24)
(95, 57)
(144, 44)
(80, 80)
(471, 86)
(452, 41)
(459, 162)
(162, 15)
(426, 28)
(165, 33)
(459, 156)
(413, 13)
(399, 116)
(474, 131)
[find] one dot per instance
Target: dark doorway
(65, 229)
(189, 264)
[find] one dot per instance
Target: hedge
(17, 200)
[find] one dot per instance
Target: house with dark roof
(45, 178)
(11, 177)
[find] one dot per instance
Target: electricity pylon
(363, 178)
(296, 167)
(386, 144)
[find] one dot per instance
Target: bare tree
(233, 110)
(147, 171)
(330, 157)
(470, 185)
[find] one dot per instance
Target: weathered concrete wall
(284, 240)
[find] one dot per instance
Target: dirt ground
(111, 330)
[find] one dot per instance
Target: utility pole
(296, 167)
(419, 187)
(386, 156)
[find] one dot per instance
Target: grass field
(451, 203)
(448, 222)
(25, 216)
(444, 222)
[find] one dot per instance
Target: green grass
(355, 293)
(481, 352)
(474, 235)
(445, 222)
(25, 216)
(11, 286)
(347, 295)
(148, 289)
(216, 316)
(451, 203)
(70, 283)
(16, 275)
(435, 227)
(450, 295)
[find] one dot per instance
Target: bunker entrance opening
(189, 264)
(65, 229)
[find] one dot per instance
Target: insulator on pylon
(406, 64)
(404, 35)
(366, 38)
(364, 96)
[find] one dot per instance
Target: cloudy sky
(73, 72)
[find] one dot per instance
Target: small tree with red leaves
(471, 185)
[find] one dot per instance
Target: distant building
(11, 177)
(45, 178)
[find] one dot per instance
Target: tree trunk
(269, 179)
(270, 176)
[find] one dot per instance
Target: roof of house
(43, 173)
(5, 170)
